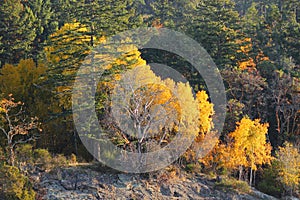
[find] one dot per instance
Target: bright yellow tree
(156, 109)
(206, 112)
(249, 146)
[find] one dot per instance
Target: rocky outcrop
(88, 184)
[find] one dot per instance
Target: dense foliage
(255, 45)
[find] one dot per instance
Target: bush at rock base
(233, 184)
(14, 185)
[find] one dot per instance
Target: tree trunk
(11, 155)
(75, 143)
(240, 172)
(254, 175)
(251, 174)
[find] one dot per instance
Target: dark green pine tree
(242, 6)
(104, 17)
(164, 12)
(171, 14)
(291, 16)
(44, 25)
(216, 25)
(255, 28)
(61, 11)
(274, 31)
(99, 18)
(17, 31)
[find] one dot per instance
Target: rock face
(88, 184)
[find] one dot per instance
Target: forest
(254, 44)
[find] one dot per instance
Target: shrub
(14, 185)
(43, 158)
(269, 183)
(73, 159)
(59, 161)
(233, 184)
(2, 157)
(24, 153)
(193, 167)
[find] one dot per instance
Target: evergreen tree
(216, 26)
(43, 24)
(164, 12)
(62, 11)
(102, 17)
(91, 21)
(17, 31)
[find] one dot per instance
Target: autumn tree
(16, 128)
(289, 167)
(155, 111)
(216, 159)
(20, 79)
(205, 125)
(248, 146)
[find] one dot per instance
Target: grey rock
(165, 190)
(125, 178)
(100, 185)
(68, 185)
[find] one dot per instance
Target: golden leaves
(249, 143)
(289, 168)
(205, 112)
(19, 78)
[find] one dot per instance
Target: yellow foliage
(289, 169)
(205, 112)
(248, 63)
(188, 106)
(216, 156)
(158, 107)
(17, 79)
(261, 57)
(66, 41)
(249, 147)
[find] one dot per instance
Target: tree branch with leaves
(17, 127)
